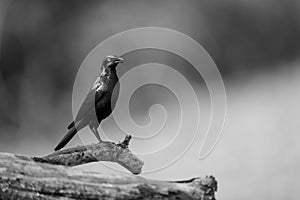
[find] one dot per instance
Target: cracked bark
(104, 151)
(51, 177)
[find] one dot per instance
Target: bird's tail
(71, 125)
(70, 134)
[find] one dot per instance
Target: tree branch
(50, 177)
(104, 151)
(23, 178)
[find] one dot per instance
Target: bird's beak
(119, 60)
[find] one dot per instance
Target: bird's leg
(96, 133)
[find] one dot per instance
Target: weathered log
(23, 178)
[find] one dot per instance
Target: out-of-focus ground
(255, 44)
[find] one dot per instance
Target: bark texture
(24, 178)
(104, 151)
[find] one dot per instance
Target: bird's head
(111, 61)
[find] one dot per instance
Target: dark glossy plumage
(97, 104)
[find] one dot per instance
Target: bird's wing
(94, 95)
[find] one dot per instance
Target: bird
(97, 103)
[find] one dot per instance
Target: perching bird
(97, 103)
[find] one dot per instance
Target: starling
(97, 104)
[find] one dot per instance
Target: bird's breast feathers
(98, 84)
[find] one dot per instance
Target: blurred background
(255, 44)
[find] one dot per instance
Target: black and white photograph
(149, 99)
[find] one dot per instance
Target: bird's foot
(100, 141)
